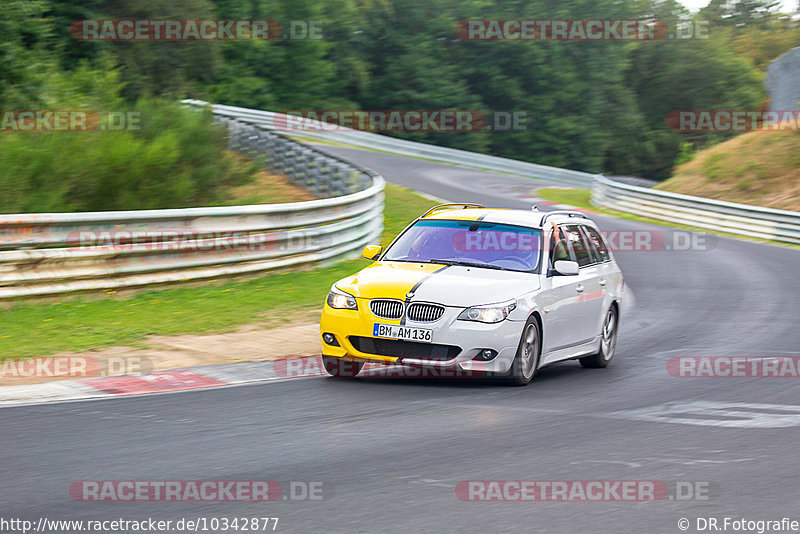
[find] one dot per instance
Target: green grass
(582, 198)
(80, 323)
(757, 168)
(264, 188)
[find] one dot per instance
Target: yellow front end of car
(344, 323)
(347, 313)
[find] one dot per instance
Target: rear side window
(597, 244)
(583, 253)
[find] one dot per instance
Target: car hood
(452, 286)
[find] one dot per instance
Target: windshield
(480, 244)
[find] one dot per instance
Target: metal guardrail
(339, 134)
(729, 217)
(313, 168)
(53, 253)
(741, 219)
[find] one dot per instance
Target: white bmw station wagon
(494, 291)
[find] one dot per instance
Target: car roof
(531, 218)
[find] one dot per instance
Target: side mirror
(566, 268)
(371, 252)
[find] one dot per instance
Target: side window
(583, 255)
(559, 248)
(597, 243)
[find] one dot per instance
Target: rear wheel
(526, 360)
(341, 368)
(608, 342)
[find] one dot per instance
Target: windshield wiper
(470, 264)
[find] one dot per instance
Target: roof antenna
(534, 208)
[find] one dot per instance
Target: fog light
(330, 339)
(486, 355)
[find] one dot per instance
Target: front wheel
(526, 360)
(608, 343)
(341, 368)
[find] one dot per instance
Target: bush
(177, 158)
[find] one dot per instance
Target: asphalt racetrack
(390, 452)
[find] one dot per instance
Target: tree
(24, 64)
(739, 13)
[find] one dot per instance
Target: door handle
(579, 288)
(603, 281)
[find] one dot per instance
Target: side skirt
(572, 352)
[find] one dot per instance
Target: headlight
(490, 313)
(341, 300)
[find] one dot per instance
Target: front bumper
(471, 337)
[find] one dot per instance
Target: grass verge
(758, 168)
(86, 322)
(580, 198)
(266, 188)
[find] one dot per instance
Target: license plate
(408, 333)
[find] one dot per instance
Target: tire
(608, 342)
(341, 368)
(526, 361)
